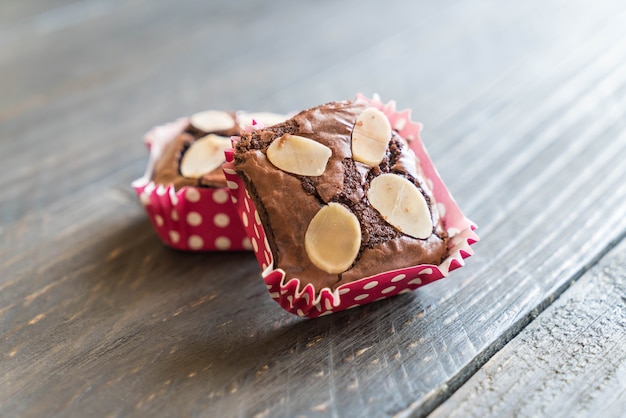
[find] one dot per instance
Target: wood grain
(523, 111)
(568, 362)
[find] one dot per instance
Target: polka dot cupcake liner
(192, 218)
(307, 302)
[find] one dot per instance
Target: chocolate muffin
(341, 196)
(184, 189)
(195, 155)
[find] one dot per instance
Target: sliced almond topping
(333, 238)
(401, 204)
(370, 137)
(299, 155)
(212, 121)
(204, 155)
(261, 118)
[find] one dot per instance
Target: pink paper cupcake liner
(192, 218)
(309, 303)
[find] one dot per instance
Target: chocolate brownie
(341, 195)
(194, 157)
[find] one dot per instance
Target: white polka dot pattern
(388, 289)
(195, 242)
(398, 278)
(144, 198)
(192, 195)
(221, 220)
(222, 243)
(194, 219)
(220, 196)
(370, 285)
(328, 304)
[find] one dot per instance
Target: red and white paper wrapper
(192, 218)
(306, 301)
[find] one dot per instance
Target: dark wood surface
(523, 106)
(574, 350)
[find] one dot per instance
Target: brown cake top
(341, 195)
(194, 156)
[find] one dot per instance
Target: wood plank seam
(436, 398)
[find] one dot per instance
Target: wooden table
(524, 111)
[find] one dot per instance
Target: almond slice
(204, 155)
(370, 137)
(212, 121)
(401, 204)
(333, 238)
(299, 155)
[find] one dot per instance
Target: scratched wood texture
(523, 106)
(568, 362)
